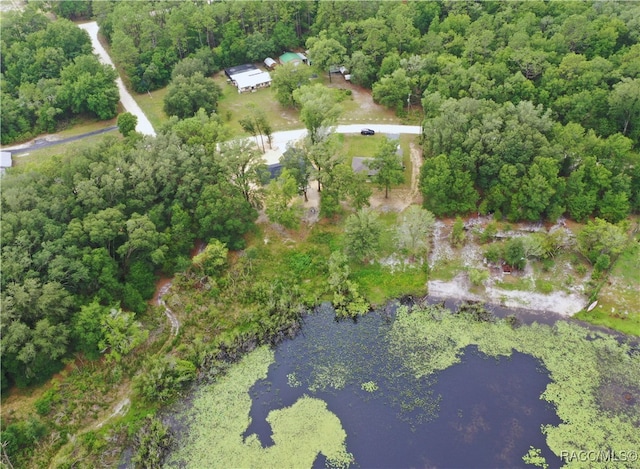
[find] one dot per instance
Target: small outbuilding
(270, 63)
(290, 57)
(5, 161)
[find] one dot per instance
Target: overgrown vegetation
(220, 415)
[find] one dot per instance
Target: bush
(478, 276)
(544, 286)
(489, 232)
(164, 377)
(493, 253)
(20, 438)
(458, 236)
(602, 263)
(151, 443)
(43, 405)
(514, 253)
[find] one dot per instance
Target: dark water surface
(482, 412)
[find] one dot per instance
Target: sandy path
(165, 285)
(144, 126)
(560, 303)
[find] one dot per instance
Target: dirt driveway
(399, 199)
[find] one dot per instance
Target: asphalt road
(39, 143)
(280, 140)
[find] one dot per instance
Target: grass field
(38, 157)
(619, 300)
(233, 106)
(152, 105)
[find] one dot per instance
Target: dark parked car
(367, 132)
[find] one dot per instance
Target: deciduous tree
(413, 233)
(319, 109)
(185, 95)
(282, 204)
(362, 234)
(388, 164)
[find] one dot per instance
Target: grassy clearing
(446, 270)
(44, 155)
(360, 145)
(515, 282)
(618, 303)
(233, 106)
(84, 124)
(379, 283)
(152, 104)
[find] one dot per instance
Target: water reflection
(482, 412)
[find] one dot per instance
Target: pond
(481, 412)
(419, 387)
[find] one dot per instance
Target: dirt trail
(164, 288)
(121, 408)
(400, 199)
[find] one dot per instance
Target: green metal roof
(289, 56)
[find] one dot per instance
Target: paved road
(130, 105)
(39, 143)
(280, 140)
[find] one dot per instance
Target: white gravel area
(558, 302)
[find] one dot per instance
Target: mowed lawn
(152, 104)
(233, 106)
(367, 146)
(43, 155)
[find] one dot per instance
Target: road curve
(280, 140)
(144, 126)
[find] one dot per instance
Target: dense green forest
(96, 226)
(49, 74)
(530, 111)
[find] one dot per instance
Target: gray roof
(360, 164)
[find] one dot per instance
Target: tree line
(516, 161)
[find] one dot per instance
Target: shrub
(493, 253)
(151, 443)
(458, 236)
(478, 276)
(43, 405)
(489, 232)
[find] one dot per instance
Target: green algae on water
(595, 380)
(220, 416)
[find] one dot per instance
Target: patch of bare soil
(471, 256)
(312, 205)
(400, 199)
(360, 95)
